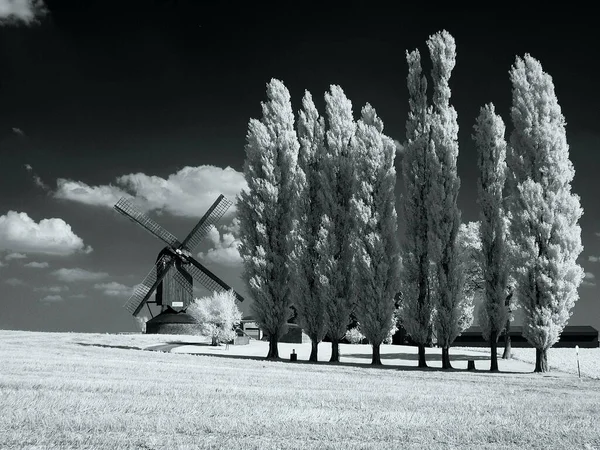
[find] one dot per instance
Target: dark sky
(102, 89)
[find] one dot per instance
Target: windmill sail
(208, 279)
(129, 211)
(144, 290)
(212, 216)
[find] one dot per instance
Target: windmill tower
(172, 276)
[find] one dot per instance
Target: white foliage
(416, 310)
(376, 246)
(545, 211)
(444, 220)
(309, 295)
(491, 146)
(337, 232)
(217, 315)
(267, 208)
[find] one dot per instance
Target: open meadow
(95, 391)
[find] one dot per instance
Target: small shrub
(354, 336)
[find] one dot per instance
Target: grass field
(90, 391)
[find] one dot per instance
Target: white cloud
(76, 274)
(224, 251)
(597, 233)
(114, 289)
(186, 193)
(19, 232)
(15, 256)
(37, 265)
(78, 296)
(593, 258)
(588, 279)
(52, 298)
(36, 178)
(54, 289)
(2, 264)
(26, 11)
(14, 282)
(78, 191)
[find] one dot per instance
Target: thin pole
(578, 369)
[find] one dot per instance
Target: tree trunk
(273, 348)
(335, 350)
(314, 350)
(376, 359)
(422, 360)
(494, 349)
(507, 344)
(214, 341)
(446, 358)
(541, 360)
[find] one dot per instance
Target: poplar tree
(491, 146)
(337, 232)
(545, 213)
(309, 295)
(444, 221)
(416, 310)
(377, 256)
(266, 210)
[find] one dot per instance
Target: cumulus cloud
(25, 11)
(15, 256)
(36, 178)
(19, 232)
(52, 298)
(593, 258)
(224, 250)
(14, 282)
(53, 289)
(186, 193)
(75, 274)
(114, 289)
(37, 265)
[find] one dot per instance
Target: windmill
(175, 269)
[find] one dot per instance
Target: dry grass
(56, 393)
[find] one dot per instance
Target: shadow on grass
(122, 347)
(400, 368)
(415, 357)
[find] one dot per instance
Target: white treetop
(377, 253)
(545, 211)
(491, 146)
(266, 210)
(217, 315)
(444, 221)
(309, 298)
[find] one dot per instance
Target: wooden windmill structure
(175, 269)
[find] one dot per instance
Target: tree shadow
(122, 347)
(415, 357)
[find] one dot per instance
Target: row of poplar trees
(319, 227)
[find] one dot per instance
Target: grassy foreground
(80, 391)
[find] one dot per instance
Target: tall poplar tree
(416, 310)
(309, 294)
(374, 206)
(337, 233)
(545, 213)
(491, 146)
(444, 221)
(266, 210)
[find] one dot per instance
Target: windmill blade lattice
(144, 290)
(129, 211)
(208, 279)
(212, 216)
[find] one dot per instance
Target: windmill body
(171, 278)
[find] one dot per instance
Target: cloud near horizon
(11, 256)
(186, 193)
(20, 233)
(53, 289)
(25, 11)
(589, 279)
(114, 289)
(37, 265)
(593, 258)
(76, 274)
(52, 298)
